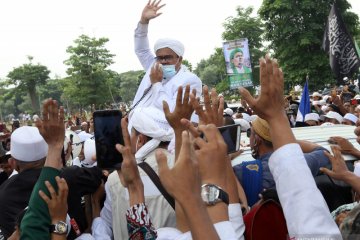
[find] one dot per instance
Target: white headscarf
(173, 44)
(150, 122)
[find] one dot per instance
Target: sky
(45, 28)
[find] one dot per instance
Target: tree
(27, 77)
(187, 64)
(212, 70)
(129, 84)
(88, 75)
(245, 26)
(295, 30)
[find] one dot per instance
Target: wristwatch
(212, 194)
(59, 228)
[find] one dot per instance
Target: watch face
(209, 193)
(61, 227)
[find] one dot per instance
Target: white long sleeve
(142, 48)
(305, 209)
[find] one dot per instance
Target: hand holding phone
(107, 131)
(231, 135)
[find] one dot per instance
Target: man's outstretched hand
(151, 11)
(52, 129)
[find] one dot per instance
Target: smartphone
(231, 135)
(107, 131)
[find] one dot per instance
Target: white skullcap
(84, 136)
(244, 125)
(316, 94)
(334, 115)
(173, 44)
(89, 151)
(150, 122)
(312, 116)
(324, 108)
(229, 112)
(351, 117)
(27, 144)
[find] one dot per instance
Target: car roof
(315, 134)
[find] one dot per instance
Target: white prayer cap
(316, 94)
(351, 117)
(84, 136)
(357, 96)
(324, 108)
(334, 115)
(173, 44)
(151, 122)
(244, 125)
(89, 151)
(229, 112)
(312, 116)
(27, 144)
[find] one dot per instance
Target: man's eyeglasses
(166, 58)
(248, 132)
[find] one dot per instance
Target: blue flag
(304, 107)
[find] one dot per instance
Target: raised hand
(339, 169)
(345, 146)
(150, 11)
(211, 153)
(57, 202)
(51, 127)
(183, 109)
(214, 108)
(184, 178)
(129, 173)
(270, 102)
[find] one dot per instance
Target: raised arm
(299, 199)
(142, 48)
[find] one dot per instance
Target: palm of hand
(150, 12)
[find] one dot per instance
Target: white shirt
(165, 90)
(305, 209)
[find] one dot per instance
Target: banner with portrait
(238, 65)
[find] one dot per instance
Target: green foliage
(295, 30)
(27, 77)
(212, 70)
(188, 64)
(89, 80)
(129, 82)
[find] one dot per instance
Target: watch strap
(223, 196)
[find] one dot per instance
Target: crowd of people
(176, 180)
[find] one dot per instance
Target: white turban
(150, 122)
(173, 44)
